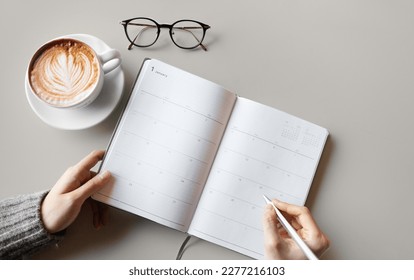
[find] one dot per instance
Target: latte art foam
(65, 73)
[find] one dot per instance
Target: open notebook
(193, 156)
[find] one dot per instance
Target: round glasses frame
(171, 27)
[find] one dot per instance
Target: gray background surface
(345, 65)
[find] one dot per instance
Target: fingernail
(104, 175)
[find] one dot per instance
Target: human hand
(63, 203)
(278, 243)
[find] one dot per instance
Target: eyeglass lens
(144, 32)
(187, 34)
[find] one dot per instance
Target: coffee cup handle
(110, 60)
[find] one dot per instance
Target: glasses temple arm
(195, 37)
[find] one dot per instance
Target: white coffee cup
(68, 73)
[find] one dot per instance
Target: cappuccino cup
(68, 73)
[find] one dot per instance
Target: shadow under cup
(68, 73)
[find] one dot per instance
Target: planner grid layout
(193, 156)
(161, 146)
(248, 165)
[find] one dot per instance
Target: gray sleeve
(21, 229)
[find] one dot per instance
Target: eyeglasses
(144, 32)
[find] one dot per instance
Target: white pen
(292, 232)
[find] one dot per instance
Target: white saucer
(93, 114)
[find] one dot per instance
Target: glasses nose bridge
(168, 26)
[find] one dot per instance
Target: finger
(300, 214)
(290, 209)
(296, 225)
(93, 185)
(270, 228)
(103, 214)
(95, 213)
(100, 214)
(283, 233)
(90, 175)
(90, 160)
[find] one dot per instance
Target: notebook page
(165, 143)
(264, 151)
